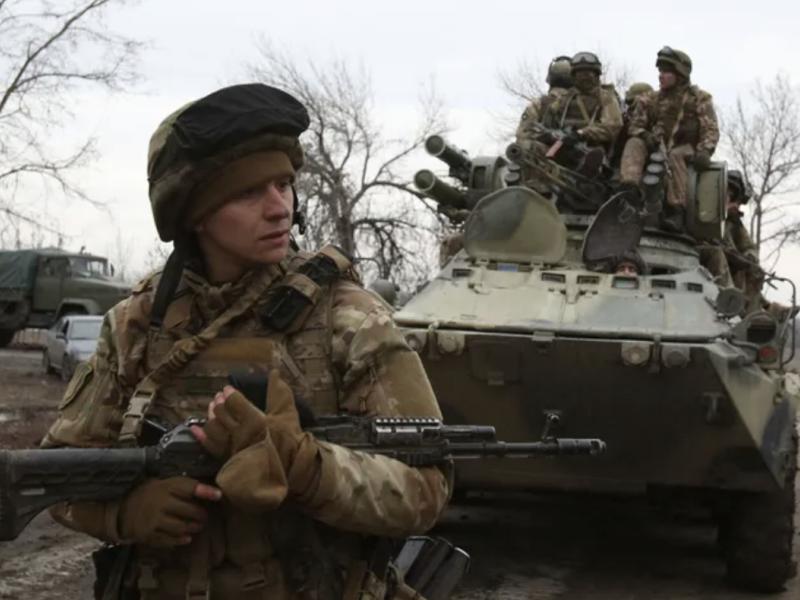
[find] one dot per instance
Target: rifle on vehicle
(33, 480)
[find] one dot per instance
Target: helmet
(674, 60)
(742, 190)
(558, 73)
(637, 89)
(586, 61)
(199, 138)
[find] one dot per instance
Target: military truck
(37, 287)
(524, 329)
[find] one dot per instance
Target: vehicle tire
(48, 368)
(757, 534)
(67, 368)
(6, 335)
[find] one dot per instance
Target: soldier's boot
(673, 219)
(590, 164)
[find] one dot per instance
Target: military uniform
(528, 130)
(596, 114)
(338, 350)
(682, 117)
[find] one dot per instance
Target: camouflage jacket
(682, 115)
(527, 130)
(738, 238)
(344, 356)
(597, 115)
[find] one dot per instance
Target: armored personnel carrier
(523, 330)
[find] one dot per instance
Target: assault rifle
(33, 480)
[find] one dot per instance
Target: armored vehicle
(37, 287)
(521, 330)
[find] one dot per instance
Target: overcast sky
(194, 47)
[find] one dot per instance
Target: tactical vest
(579, 110)
(234, 558)
(677, 117)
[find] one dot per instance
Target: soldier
(589, 112)
(235, 295)
(735, 261)
(560, 80)
(629, 263)
(681, 116)
(634, 91)
(741, 252)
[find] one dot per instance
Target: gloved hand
(298, 450)
(165, 512)
(701, 160)
(233, 424)
(572, 137)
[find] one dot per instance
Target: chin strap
(298, 218)
(168, 282)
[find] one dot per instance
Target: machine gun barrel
(458, 161)
(433, 187)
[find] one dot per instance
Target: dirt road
(538, 547)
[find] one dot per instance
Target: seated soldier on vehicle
(560, 81)
(681, 117)
(588, 113)
(735, 261)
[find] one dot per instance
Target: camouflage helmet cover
(559, 72)
(199, 138)
(587, 61)
(736, 180)
(675, 60)
(637, 89)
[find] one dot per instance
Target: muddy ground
(531, 547)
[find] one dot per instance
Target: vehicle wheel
(67, 368)
(6, 335)
(48, 368)
(757, 534)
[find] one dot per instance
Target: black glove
(571, 137)
(701, 160)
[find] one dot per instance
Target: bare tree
(354, 188)
(763, 136)
(48, 51)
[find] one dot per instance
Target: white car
(71, 341)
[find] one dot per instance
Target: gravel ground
(525, 547)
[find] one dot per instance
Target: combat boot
(591, 162)
(673, 219)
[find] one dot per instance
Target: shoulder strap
(181, 353)
(302, 288)
(678, 119)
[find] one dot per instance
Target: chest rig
(280, 318)
(580, 110)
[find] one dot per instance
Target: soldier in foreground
(235, 295)
(588, 111)
(681, 117)
(559, 79)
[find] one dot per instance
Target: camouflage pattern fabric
(346, 357)
(533, 114)
(685, 110)
(634, 158)
(597, 115)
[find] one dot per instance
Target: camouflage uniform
(682, 117)
(596, 115)
(342, 354)
(527, 130)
